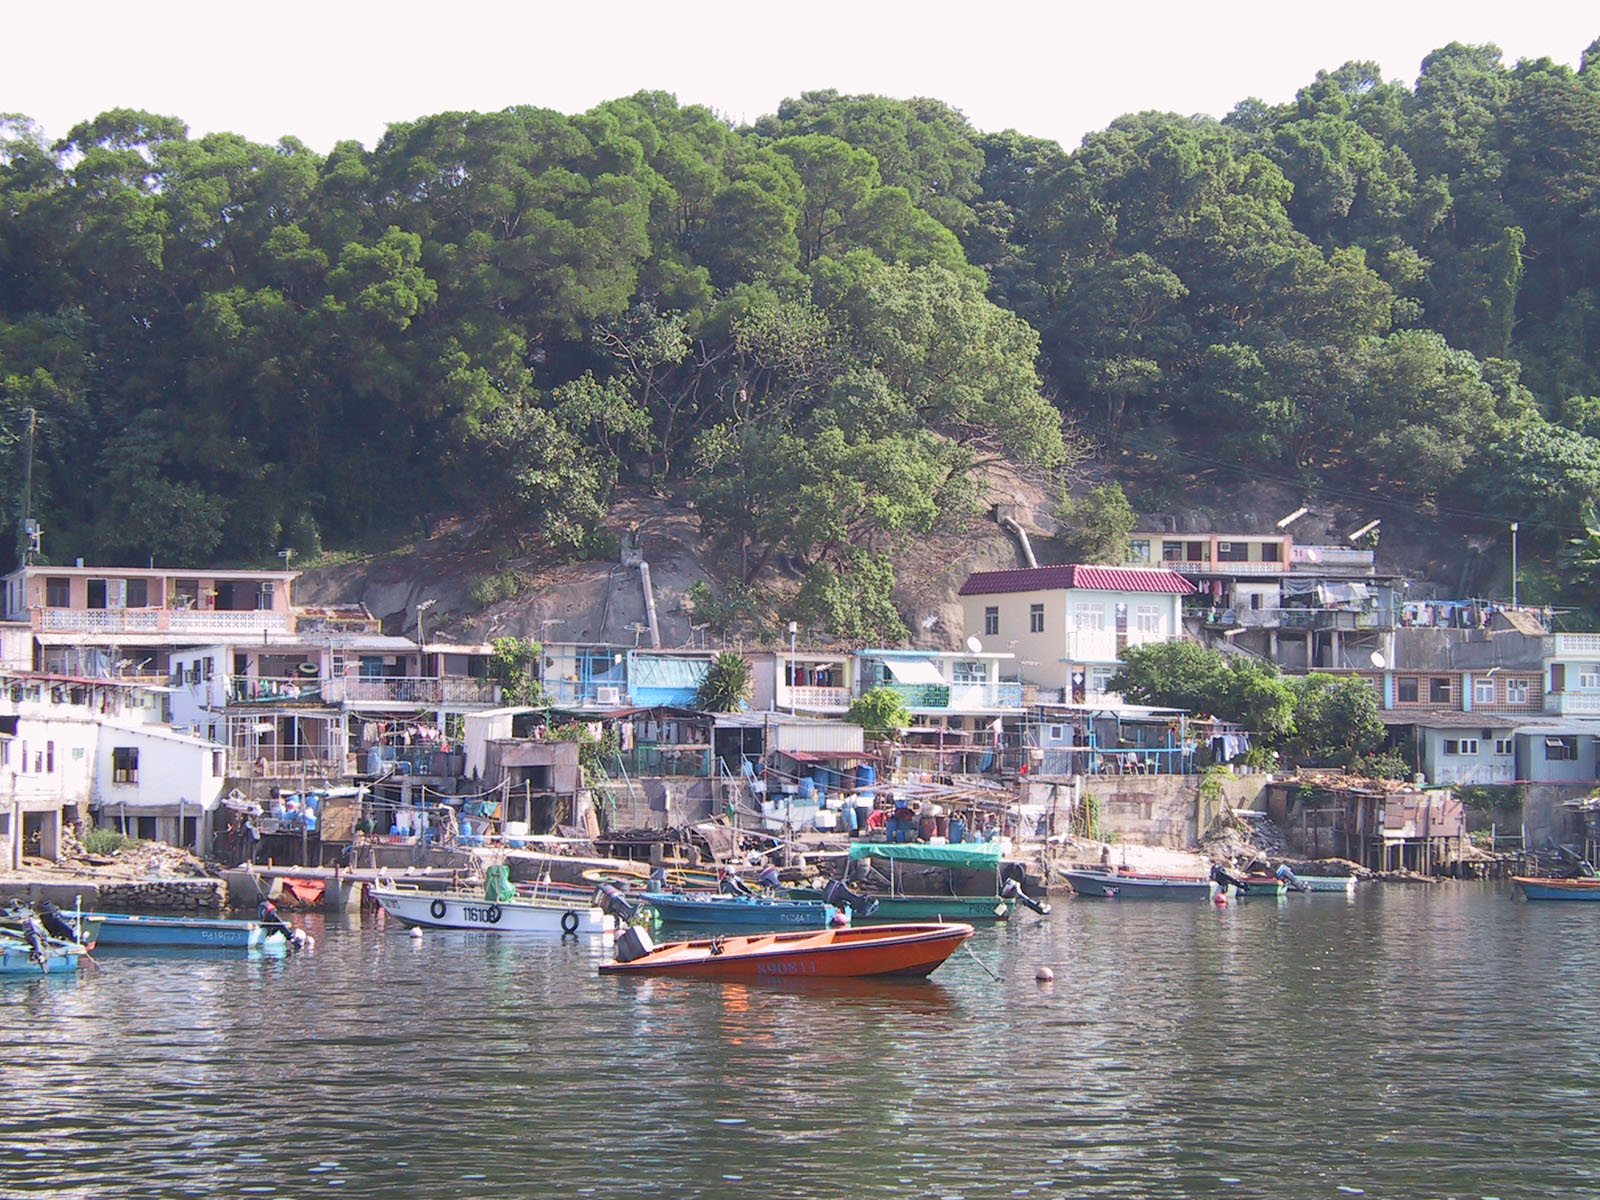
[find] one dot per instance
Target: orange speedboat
(801, 954)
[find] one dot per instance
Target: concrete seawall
(194, 897)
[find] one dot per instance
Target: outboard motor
(612, 901)
(1225, 880)
(634, 942)
(732, 885)
(34, 934)
(769, 877)
(842, 897)
(55, 923)
(1013, 891)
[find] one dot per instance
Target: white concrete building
(75, 750)
(1069, 625)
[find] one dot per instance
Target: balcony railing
(456, 689)
(958, 697)
(1330, 556)
(1223, 567)
(156, 620)
(569, 693)
(1562, 644)
(250, 689)
(814, 698)
(313, 766)
(1567, 703)
(1318, 618)
(244, 689)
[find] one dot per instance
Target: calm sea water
(1412, 1042)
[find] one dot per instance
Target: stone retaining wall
(186, 896)
(1151, 810)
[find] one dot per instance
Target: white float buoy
(416, 931)
(1045, 975)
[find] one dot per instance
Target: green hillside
(818, 329)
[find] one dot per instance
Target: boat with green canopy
(898, 904)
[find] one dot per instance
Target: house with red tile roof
(1069, 625)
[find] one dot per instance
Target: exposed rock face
(604, 601)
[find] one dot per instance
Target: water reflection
(1407, 1042)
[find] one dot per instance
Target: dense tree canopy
(817, 327)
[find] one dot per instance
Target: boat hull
(127, 929)
(14, 959)
(1557, 889)
(1137, 887)
(897, 909)
(461, 910)
(1328, 883)
(1260, 886)
(882, 950)
(678, 908)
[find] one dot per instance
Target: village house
(1068, 626)
(77, 750)
(1303, 607)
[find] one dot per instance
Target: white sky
(335, 70)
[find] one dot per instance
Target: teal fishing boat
(898, 904)
(129, 929)
(756, 912)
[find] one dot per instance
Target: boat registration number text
(489, 914)
(806, 966)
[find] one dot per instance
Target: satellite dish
(1378, 660)
(974, 645)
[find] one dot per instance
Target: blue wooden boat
(758, 912)
(16, 957)
(128, 929)
(1538, 888)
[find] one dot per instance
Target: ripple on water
(1304, 1048)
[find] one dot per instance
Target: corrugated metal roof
(1108, 579)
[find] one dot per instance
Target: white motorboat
(471, 910)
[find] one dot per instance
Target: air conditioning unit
(608, 695)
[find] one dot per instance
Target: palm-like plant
(727, 683)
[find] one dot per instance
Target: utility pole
(27, 546)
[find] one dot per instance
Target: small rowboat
(470, 910)
(17, 957)
(1328, 883)
(1261, 885)
(1538, 888)
(1131, 886)
(913, 950)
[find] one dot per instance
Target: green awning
(973, 855)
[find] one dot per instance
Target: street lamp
(793, 675)
(1513, 564)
